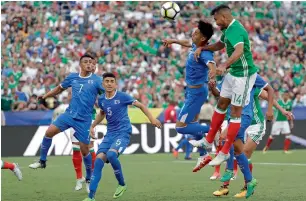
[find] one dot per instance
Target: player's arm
(235, 56)
(264, 96)
(214, 90)
(185, 43)
(57, 90)
(213, 47)
(145, 110)
(100, 116)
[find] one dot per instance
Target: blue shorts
(117, 141)
(246, 121)
(194, 99)
(81, 127)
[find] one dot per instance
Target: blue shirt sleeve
(127, 99)
(260, 82)
(207, 57)
(100, 102)
(66, 83)
(99, 85)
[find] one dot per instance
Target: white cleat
(220, 158)
(201, 143)
(215, 176)
(79, 184)
(37, 165)
(17, 172)
(87, 186)
(234, 178)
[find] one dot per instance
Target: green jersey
(232, 36)
(258, 116)
(6, 102)
(287, 106)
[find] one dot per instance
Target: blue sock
(88, 165)
(181, 144)
(188, 149)
(230, 161)
(244, 166)
(96, 177)
(193, 129)
(45, 145)
(113, 159)
(202, 151)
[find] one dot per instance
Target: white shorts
(238, 89)
(73, 139)
(256, 132)
(280, 127)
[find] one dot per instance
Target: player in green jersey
(281, 124)
(237, 84)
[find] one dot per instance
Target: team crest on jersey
(90, 81)
(117, 102)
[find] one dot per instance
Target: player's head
(109, 82)
(94, 61)
(222, 15)
(286, 95)
(86, 62)
(203, 33)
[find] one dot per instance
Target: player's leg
(93, 153)
(286, 131)
(189, 148)
(119, 145)
(204, 158)
(182, 143)
(62, 123)
(99, 164)
(14, 167)
(276, 130)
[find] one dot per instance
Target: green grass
(158, 177)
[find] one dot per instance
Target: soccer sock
(193, 129)
(113, 159)
(217, 169)
(97, 174)
(216, 122)
(244, 166)
(250, 165)
(181, 144)
(45, 145)
(188, 149)
(230, 160)
(233, 129)
(93, 157)
(235, 166)
(270, 140)
(202, 151)
(88, 165)
(77, 161)
(7, 165)
(287, 143)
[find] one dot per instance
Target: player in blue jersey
(198, 73)
(85, 88)
(114, 106)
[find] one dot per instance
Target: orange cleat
(202, 162)
(175, 153)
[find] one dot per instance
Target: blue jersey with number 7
(84, 93)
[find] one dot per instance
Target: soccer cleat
(234, 177)
(228, 174)
(88, 199)
(264, 151)
(87, 185)
(201, 143)
(202, 162)
(38, 164)
(242, 193)
(215, 176)
(79, 184)
(222, 191)
(119, 191)
(188, 158)
(251, 187)
(220, 158)
(17, 171)
(287, 152)
(175, 153)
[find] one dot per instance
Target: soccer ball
(170, 11)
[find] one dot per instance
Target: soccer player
(13, 167)
(85, 88)
(188, 148)
(114, 106)
(281, 125)
(254, 134)
(237, 84)
(197, 77)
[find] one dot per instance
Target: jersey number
(237, 99)
(81, 88)
(109, 112)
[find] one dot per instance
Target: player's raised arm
(185, 43)
(144, 109)
(53, 92)
(213, 47)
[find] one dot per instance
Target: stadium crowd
(41, 43)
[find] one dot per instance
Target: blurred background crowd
(41, 43)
